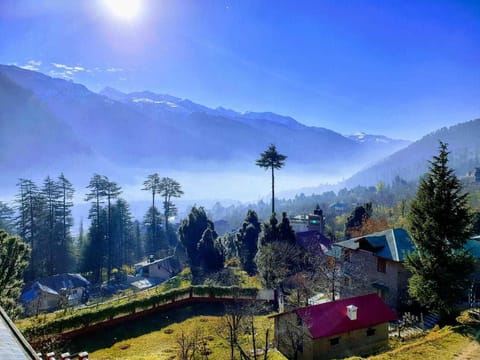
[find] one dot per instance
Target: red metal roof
(331, 318)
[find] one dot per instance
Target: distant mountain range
(411, 162)
(49, 124)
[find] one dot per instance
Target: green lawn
(450, 342)
(162, 344)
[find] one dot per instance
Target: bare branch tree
(188, 344)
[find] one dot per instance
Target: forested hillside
(412, 162)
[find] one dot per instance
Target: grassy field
(163, 344)
(450, 342)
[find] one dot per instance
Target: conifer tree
(247, 241)
(94, 253)
(211, 256)
(152, 184)
(190, 233)
(154, 238)
(278, 255)
(271, 159)
(30, 206)
(169, 188)
(440, 224)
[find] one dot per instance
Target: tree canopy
(14, 256)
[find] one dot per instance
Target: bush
(94, 315)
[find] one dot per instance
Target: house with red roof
(336, 329)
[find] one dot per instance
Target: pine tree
(211, 256)
(94, 253)
(247, 241)
(154, 239)
(152, 184)
(271, 159)
(270, 232)
(112, 191)
(440, 224)
(278, 255)
(50, 230)
(66, 220)
(169, 188)
(190, 233)
(123, 233)
(30, 205)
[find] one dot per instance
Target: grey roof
(52, 285)
(392, 244)
(148, 263)
(64, 281)
(13, 345)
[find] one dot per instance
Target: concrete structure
(379, 256)
(310, 222)
(336, 329)
(13, 345)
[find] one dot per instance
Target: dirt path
(471, 352)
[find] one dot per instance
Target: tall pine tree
(95, 251)
(440, 224)
(271, 159)
(169, 188)
(30, 206)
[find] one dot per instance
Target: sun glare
(127, 10)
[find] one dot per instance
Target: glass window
(334, 341)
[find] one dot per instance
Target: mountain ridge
(412, 161)
(145, 130)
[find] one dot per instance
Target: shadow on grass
(106, 337)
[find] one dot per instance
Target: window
(381, 294)
(371, 331)
(334, 341)
(381, 265)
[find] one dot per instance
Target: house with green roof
(380, 258)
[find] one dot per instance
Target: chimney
(352, 312)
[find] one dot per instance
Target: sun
(127, 10)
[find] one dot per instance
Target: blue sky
(399, 68)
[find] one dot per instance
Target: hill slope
(412, 161)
